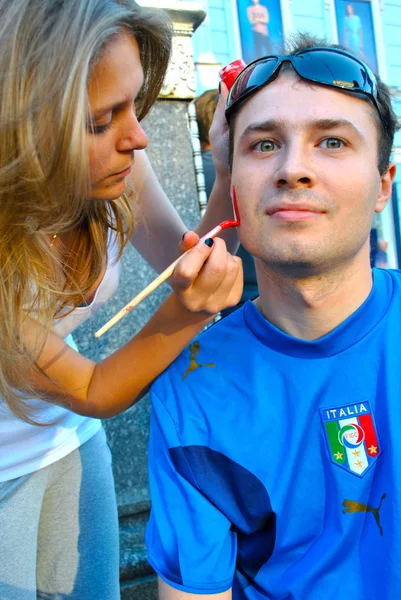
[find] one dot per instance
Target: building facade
(369, 28)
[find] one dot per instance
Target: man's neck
(309, 308)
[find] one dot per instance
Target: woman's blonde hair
(47, 51)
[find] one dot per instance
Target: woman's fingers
(229, 288)
(219, 123)
(189, 239)
(218, 133)
(191, 264)
(208, 278)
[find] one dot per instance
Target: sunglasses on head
(333, 67)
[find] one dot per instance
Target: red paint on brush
(227, 224)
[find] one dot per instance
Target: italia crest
(351, 436)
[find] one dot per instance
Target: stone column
(170, 152)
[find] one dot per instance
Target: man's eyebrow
(272, 125)
(327, 124)
(261, 126)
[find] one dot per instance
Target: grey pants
(59, 530)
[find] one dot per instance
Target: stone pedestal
(170, 152)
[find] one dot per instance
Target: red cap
(229, 73)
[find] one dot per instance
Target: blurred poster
(261, 28)
(355, 30)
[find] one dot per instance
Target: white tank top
(25, 448)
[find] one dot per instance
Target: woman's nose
(132, 136)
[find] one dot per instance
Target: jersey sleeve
(189, 541)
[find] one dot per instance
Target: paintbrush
(169, 271)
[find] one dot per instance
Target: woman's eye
(98, 129)
(332, 143)
(265, 146)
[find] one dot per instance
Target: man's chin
(298, 265)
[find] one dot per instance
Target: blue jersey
(273, 461)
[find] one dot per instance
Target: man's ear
(386, 184)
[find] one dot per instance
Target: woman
(77, 76)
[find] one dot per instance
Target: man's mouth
(294, 211)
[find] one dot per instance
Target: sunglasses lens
(333, 68)
(252, 77)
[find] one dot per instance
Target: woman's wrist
(173, 312)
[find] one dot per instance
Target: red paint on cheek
(231, 222)
(235, 205)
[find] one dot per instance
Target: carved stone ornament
(180, 81)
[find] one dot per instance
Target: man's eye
(265, 146)
(332, 143)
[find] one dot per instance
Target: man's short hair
(387, 125)
(205, 106)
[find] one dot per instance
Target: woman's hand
(219, 136)
(207, 278)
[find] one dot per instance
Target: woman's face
(114, 132)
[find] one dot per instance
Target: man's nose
(132, 136)
(295, 169)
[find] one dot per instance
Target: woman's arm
(160, 229)
(205, 279)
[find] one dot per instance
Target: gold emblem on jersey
(352, 506)
(193, 353)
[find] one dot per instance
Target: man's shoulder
(218, 342)
(202, 369)
(394, 273)
(389, 277)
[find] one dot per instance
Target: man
(274, 463)
(258, 17)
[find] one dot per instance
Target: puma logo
(351, 507)
(193, 353)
